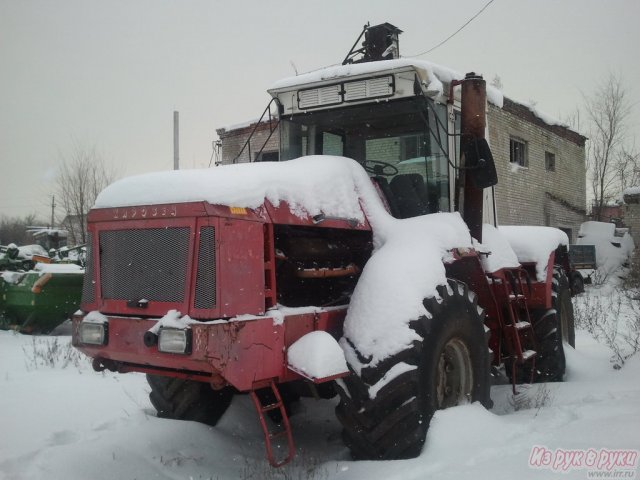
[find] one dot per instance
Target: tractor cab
(402, 144)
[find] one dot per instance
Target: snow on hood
(534, 244)
(437, 75)
(310, 185)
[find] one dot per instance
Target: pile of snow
(58, 268)
(96, 317)
(406, 268)
(631, 191)
(534, 244)
(545, 117)
(103, 426)
(499, 253)
(28, 251)
(437, 75)
(173, 319)
(12, 277)
(612, 251)
(316, 355)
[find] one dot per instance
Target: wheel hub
(454, 374)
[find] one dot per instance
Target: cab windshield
(403, 145)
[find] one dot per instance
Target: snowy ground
(63, 421)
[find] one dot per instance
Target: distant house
(609, 213)
(50, 238)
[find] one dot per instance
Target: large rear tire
(180, 399)
(553, 329)
(386, 410)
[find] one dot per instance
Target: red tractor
(334, 274)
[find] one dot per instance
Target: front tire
(181, 399)
(386, 410)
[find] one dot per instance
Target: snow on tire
(181, 399)
(385, 411)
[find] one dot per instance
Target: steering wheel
(380, 168)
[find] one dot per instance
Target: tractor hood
(317, 185)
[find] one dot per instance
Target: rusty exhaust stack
(473, 123)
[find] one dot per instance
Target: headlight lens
(93, 333)
(174, 341)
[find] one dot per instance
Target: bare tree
(15, 230)
(628, 167)
(608, 110)
(81, 176)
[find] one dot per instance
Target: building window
(412, 146)
(518, 154)
(268, 157)
(550, 161)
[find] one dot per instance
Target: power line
(456, 32)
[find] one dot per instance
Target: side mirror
(479, 163)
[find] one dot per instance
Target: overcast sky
(109, 74)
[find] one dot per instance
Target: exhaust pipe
(473, 124)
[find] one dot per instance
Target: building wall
(631, 210)
(234, 139)
(533, 195)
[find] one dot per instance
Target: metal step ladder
(270, 435)
(518, 327)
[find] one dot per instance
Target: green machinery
(37, 295)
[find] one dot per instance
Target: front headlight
(172, 340)
(93, 333)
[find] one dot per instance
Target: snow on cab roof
(437, 75)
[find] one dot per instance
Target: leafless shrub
(303, 467)
(52, 352)
(612, 319)
(531, 397)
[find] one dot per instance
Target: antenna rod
(53, 209)
(176, 141)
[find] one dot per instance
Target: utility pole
(176, 139)
(53, 209)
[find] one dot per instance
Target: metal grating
(146, 264)
(318, 97)
(370, 88)
(89, 281)
(206, 276)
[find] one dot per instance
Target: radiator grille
(88, 283)
(144, 264)
(206, 277)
